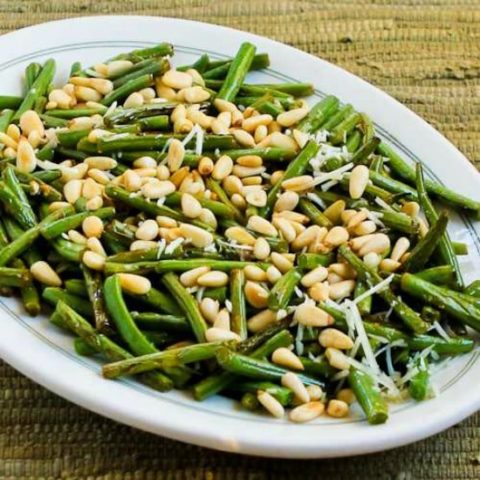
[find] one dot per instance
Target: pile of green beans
(200, 232)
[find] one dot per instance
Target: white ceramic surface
(45, 354)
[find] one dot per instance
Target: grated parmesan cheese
(376, 288)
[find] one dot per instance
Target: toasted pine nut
(94, 203)
(91, 189)
(14, 132)
(290, 118)
(306, 412)
(195, 94)
(72, 190)
(286, 358)
(92, 226)
(261, 249)
(135, 284)
(334, 278)
(308, 236)
(358, 181)
(337, 358)
(238, 201)
(298, 184)
(314, 392)
(316, 275)
(220, 335)
(54, 206)
(282, 263)
(252, 161)
(356, 219)
(134, 100)
(250, 124)
(26, 159)
(148, 94)
(244, 138)
(319, 291)
(260, 133)
(145, 162)
(257, 198)
(143, 245)
(176, 79)
(99, 176)
(277, 176)
(196, 77)
(341, 289)
(223, 320)
(372, 260)
(87, 94)
(61, 99)
(286, 201)
(224, 106)
(175, 155)
(30, 122)
(191, 207)
(240, 235)
(379, 243)
(94, 244)
(256, 295)
(199, 237)
(232, 184)
(336, 237)
(208, 217)
(101, 163)
(223, 168)
(190, 277)
(331, 337)
(209, 308)
(261, 320)
(273, 274)
(93, 260)
(271, 404)
(101, 85)
(311, 316)
(344, 270)
(337, 408)
(115, 67)
(241, 171)
(255, 273)
(148, 230)
(334, 211)
(400, 248)
(300, 137)
(132, 181)
(205, 166)
(292, 381)
(262, 226)
(158, 189)
(412, 209)
(365, 228)
(45, 274)
(285, 228)
(77, 237)
(389, 265)
(346, 395)
(214, 278)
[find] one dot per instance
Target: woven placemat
(427, 55)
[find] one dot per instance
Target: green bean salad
(199, 232)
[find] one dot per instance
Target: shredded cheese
(376, 288)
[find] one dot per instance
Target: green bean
(216, 188)
(340, 132)
(219, 209)
(314, 214)
(342, 113)
(159, 300)
(151, 67)
(324, 109)
(309, 261)
(284, 395)
(76, 286)
(238, 316)
(53, 295)
(15, 277)
(127, 88)
(160, 50)
(199, 65)
(10, 102)
(281, 293)
(419, 383)
(70, 113)
(25, 215)
(93, 283)
(169, 323)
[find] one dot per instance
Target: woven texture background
(427, 55)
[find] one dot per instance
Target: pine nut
(273, 274)
(179, 176)
(93, 260)
(135, 284)
(300, 137)
(30, 122)
(334, 211)
(359, 242)
(200, 118)
(286, 201)
(314, 392)
(220, 335)
(316, 275)
(158, 189)
(252, 161)
(44, 273)
(277, 176)
(365, 228)
(356, 219)
(232, 184)
(347, 215)
(148, 94)
(261, 320)
(101, 163)
(261, 249)
(199, 237)
(292, 117)
(72, 190)
(191, 207)
(214, 278)
(292, 381)
(337, 409)
(177, 80)
(346, 395)
(182, 126)
(388, 265)
(285, 228)
(331, 337)
(257, 198)
(308, 236)
(298, 184)
(26, 160)
(208, 217)
(412, 209)
(91, 189)
(293, 216)
(271, 404)
(224, 106)
(134, 100)
(278, 140)
(358, 181)
(60, 98)
(337, 359)
(115, 68)
(132, 181)
(306, 412)
(54, 206)
(87, 94)
(238, 201)
(195, 94)
(77, 237)
(380, 243)
(262, 226)
(94, 203)
(336, 237)
(219, 128)
(101, 85)
(165, 92)
(196, 77)
(286, 358)
(260, 133)
(250, 124)
(256, 295)
(14, 132)
(190, 277)
(148, 230)
(143, 245)
(209, 308)
(223, 320)
(341, 289)
(99, 176)
(400, 248)
(166, 222)
(311, 316)
(240, 235)
(223, 168)
(175, 155)
(96, 246)
(372, 260)
(205, 166)
(319, 292)
(241, 171)
(92, 226)
(255, 273)
(283, 264)
(334, 278)
(145, 162)
(344, 270)
(243, 138)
